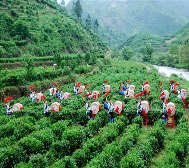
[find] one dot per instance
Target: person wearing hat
(103, 89)
(164, 114)
(46, 109)
(111, 114)
(139, 107)
(9, 110)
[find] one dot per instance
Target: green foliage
(31, 145)
(149, 50)
(57, 60)
(127, 53)
(138, 120)
(20, 28)
(75, 136)
(29, 66)
(87, 57)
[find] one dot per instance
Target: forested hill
(120, 20)
(40, 27)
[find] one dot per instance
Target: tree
(20, 28)
(88, 21)
(87, 57)
(127, 53)
(28, 64)
(78, 9)
(62, 3)
(57, 60)
(149, 50)
(96, 25)
(174, 50)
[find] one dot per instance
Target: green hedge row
(95, 145)
(177, 150)
(141, 155)
(112, 153)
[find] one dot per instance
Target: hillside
(130, 17)
(41, 28)
(139, 41)
(68, 139)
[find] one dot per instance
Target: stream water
(167, 71)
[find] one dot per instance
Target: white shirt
(128, 86)
(139, 106)
(103, 88)
(164, 107)
(110, 106)
(88, 107)
(33, 97)
(179, 94)
(50, 90)
(46, 108)
(61, 96)
(9, 110)
(142, 88)
(75, 89)
(126, 93)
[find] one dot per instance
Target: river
(167, 71)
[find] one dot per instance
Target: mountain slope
(40, 27)
(162, 17)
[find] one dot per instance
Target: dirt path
(169, 41)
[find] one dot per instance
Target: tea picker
(7, 105)
(33, 96)
(118, 107)
(179, 93)
(128, 84)
(88, 110)
(164, 113)
(46, 109)
(111, 114)
(95, 108)
(145, 110)
(106, 103)
(184, 97)
(75, 89)
(171, 84)
(139, 107)
(171, 110)
(103, 89)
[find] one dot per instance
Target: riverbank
(168, 71)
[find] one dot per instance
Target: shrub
(37, 160)
(31, 145)
(11, 155)
(75, 136)
(59, 149)
(59, 127)
(138, 120)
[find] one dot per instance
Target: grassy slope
(51, 30)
